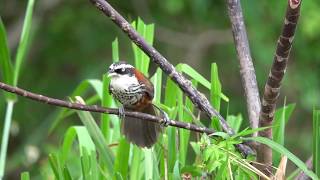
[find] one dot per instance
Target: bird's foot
(121, 113)
(165, 118)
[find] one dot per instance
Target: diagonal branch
(198, 99)
(95, 108)
(278, 69)
(247, 72)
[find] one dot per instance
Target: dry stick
(198, 99)
(95, 108)
(247, 72)
(272, 87)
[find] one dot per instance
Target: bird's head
(120, 69)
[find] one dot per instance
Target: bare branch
(247, 72)
(278, 69)
(95, 108)
(198, 99)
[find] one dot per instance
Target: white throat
(123, 82)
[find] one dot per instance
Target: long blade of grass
(281, 118)
(316, 141)
(121, 164)
(95, 132)
(115, 50)
(24, 41)
(235, 122)
(5, 61)
(56, 166)
(284, 151)
(186, 117)
(107, 101)
(185, 68)
(83, 87)
(25, 176)
(84, 140)
(137, 156)
(5, 137)
(215, 93)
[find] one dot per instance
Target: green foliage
(281, 118)
(105, 153)
(24, 41)
(10, 75)
(282, 150)
(5, 60)
(25, 176)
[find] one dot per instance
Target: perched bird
(135, 92)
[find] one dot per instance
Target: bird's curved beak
(111, 73)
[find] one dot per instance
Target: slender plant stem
(5, 137)
(197, 98)
(273, 85)
(247, 72)
(95, 108)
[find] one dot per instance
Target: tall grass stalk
(5, 137)
(12, 76)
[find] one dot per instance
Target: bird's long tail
(140, 132)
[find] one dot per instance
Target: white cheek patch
(122, 83)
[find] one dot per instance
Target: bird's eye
(120, 71)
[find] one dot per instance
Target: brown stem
(95, 108)
(247, 72)
(278, 69)
(198, 99)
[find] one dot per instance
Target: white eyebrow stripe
(120, 66)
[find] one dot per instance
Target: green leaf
(24, 41)
(56, 166)
(235, 122)
(135, 168)
(157, 83)
(248, 131)
(66, 173)
(277, 147)
(115, 50)
(6, 68)
(215, 90)
(281, 118)
(84, 140)
(83, 87)
(121, 164)
(141, 59)
(198, 77)
(97, 137)
(176, 171)
(25, 176)
(316, 141)
(148, 163)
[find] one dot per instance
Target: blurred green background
(71, 41)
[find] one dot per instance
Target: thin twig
(198, 99)
(247, 72)
(95, 108)
(278, 69)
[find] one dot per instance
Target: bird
(135, 92)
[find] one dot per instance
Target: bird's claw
(121, 113)
(165, 120)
